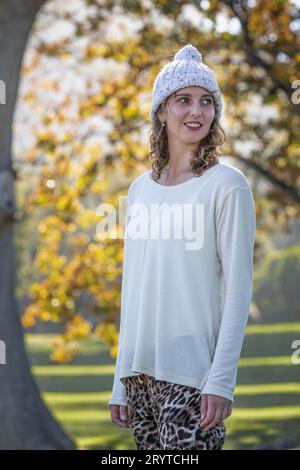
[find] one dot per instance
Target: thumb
(123, 412)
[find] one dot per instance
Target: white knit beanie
(187, 69)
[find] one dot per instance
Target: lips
(193, 127)
(193, 122)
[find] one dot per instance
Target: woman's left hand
(214, 409)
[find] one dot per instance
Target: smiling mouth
(193, 127)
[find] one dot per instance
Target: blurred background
(76, 83)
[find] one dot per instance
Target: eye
(208, 100)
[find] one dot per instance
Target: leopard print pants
(165, 415)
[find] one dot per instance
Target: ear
(161, 113)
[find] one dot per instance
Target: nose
(196, 110)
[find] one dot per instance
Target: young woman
(186, 289)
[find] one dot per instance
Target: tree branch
(253, 55)
(290, 190)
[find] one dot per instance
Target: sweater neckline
(184, 183)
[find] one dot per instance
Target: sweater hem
(163, 375)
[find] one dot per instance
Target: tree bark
(25, 421)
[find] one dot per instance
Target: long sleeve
(235, 226)
(118, 396)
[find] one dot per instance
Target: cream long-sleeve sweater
(187, 284)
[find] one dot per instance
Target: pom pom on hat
(188, 52)
(187, 69)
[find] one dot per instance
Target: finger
(203, 409)
(124, 415)
(225, 412)
(123, 412)
(119, 422)
(211, 410)
(115, 415)
(209, 419)
(228, 411)
(217, 418)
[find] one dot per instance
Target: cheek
(209, 114)
(177, 111)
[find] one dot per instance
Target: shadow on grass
(79, 398)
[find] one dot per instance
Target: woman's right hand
(117, 412)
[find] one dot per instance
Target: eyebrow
(188, 94)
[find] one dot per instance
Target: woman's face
(191, 104)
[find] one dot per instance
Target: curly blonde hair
(206, 155)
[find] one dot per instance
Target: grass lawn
(266, 404)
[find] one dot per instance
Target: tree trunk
(25, 421)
